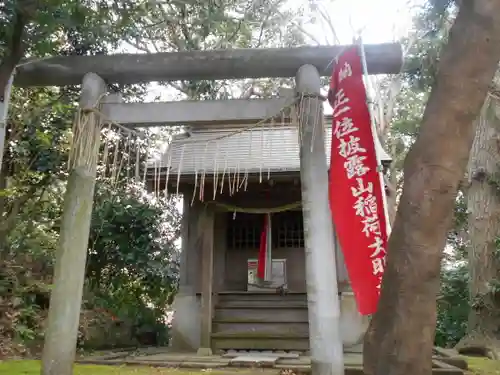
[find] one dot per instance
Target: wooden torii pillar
(321, 270)
(69, 271)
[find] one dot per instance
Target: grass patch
(477, 366)
(29, 367)
(480, 366)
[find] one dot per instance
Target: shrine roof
(263, 150)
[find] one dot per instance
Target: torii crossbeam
(199, 65)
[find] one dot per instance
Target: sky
(379, 21)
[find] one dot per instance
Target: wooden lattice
(244, 230)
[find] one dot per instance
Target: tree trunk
(483, 203)
(401, 334)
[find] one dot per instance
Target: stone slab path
(282, 361)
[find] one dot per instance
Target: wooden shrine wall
(232, 250)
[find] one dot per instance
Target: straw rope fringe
(85, 141)
(119, 140)
(90, 129)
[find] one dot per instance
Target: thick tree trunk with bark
(401, 336)
(483, 203)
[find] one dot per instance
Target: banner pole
(374, 132)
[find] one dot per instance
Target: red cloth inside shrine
(262, 259)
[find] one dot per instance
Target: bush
(453, 305)
(132, 268)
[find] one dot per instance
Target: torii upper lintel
(200, 65)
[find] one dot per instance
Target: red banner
(355, 189)
(263, 249)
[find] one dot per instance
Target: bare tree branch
(326, 17)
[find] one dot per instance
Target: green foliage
(37, 140)
(133, 235)
(408, 111)
(132, 267)
(453, 305)
(20, 316)
(72, 26)
(431, 26)
(457, 235)
(453, 300)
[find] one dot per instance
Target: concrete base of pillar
(204, 352)
(353, 325)
(186, 322)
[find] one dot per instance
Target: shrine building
(231, 176)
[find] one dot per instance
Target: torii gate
(307, 64)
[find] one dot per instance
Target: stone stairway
(261, 321)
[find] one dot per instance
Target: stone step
(271, 314)
(293, 355)
(252, 341)
(272, 328)
(261, 296)
(262, 304)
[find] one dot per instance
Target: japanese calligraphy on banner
(355, 189)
